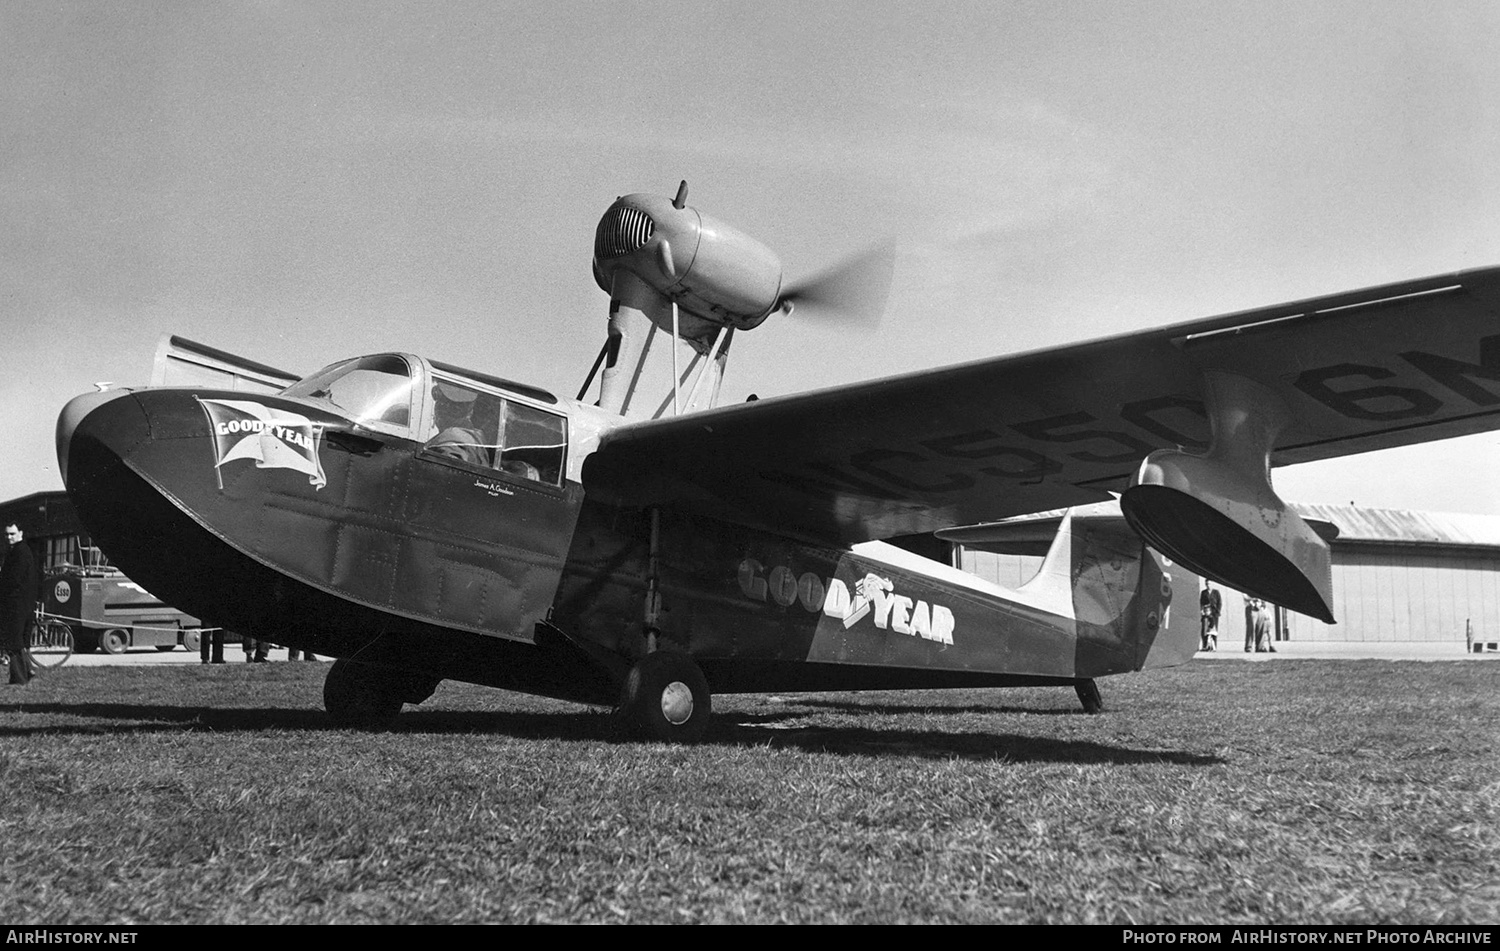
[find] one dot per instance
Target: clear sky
(303, 181)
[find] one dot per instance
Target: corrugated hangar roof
(1358, 525)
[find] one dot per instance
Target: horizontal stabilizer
(1030, 535)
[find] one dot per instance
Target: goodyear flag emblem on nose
(273, 438)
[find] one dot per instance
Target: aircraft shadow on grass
(793, 729)
(890, 707)
(784, 729)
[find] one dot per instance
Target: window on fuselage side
(532, 443)
(482, 428)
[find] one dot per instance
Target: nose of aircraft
(71, 421)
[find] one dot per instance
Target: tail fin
(1180, 632)
(1133, 608)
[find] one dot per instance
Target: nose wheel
(665, 698)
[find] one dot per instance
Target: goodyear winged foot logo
(272, 438)
(873, 597)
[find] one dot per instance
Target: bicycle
(50, 641)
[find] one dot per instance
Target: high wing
(1383, 367)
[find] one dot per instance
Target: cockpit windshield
(371, 390)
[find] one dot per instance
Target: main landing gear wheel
(369, 696)
(1088, 695)
(666, 698)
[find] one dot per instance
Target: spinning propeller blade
(854, 290)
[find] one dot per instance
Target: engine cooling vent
(622, 230)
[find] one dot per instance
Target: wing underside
(992, 439)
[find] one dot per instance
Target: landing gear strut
(665, 698)
(369, 696)
(1088, 695)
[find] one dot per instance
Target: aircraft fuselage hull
(759, 611)
(364, 547)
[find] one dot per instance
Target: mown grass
(1221, 792)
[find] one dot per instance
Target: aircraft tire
(360, 696)
(1089, 696)
(666, 698)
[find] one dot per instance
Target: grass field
(1295, 791)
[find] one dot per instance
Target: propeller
(853, 291)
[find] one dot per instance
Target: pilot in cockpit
(458, 434)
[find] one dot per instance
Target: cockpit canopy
(458, 415)
(375, 391)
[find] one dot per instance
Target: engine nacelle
(1217, 513)
(711, 270)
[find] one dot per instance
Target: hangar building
(1398, 576)
(56, 536)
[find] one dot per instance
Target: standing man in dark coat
(1210, 606)
(18, 589)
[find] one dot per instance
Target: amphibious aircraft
(420, 521)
